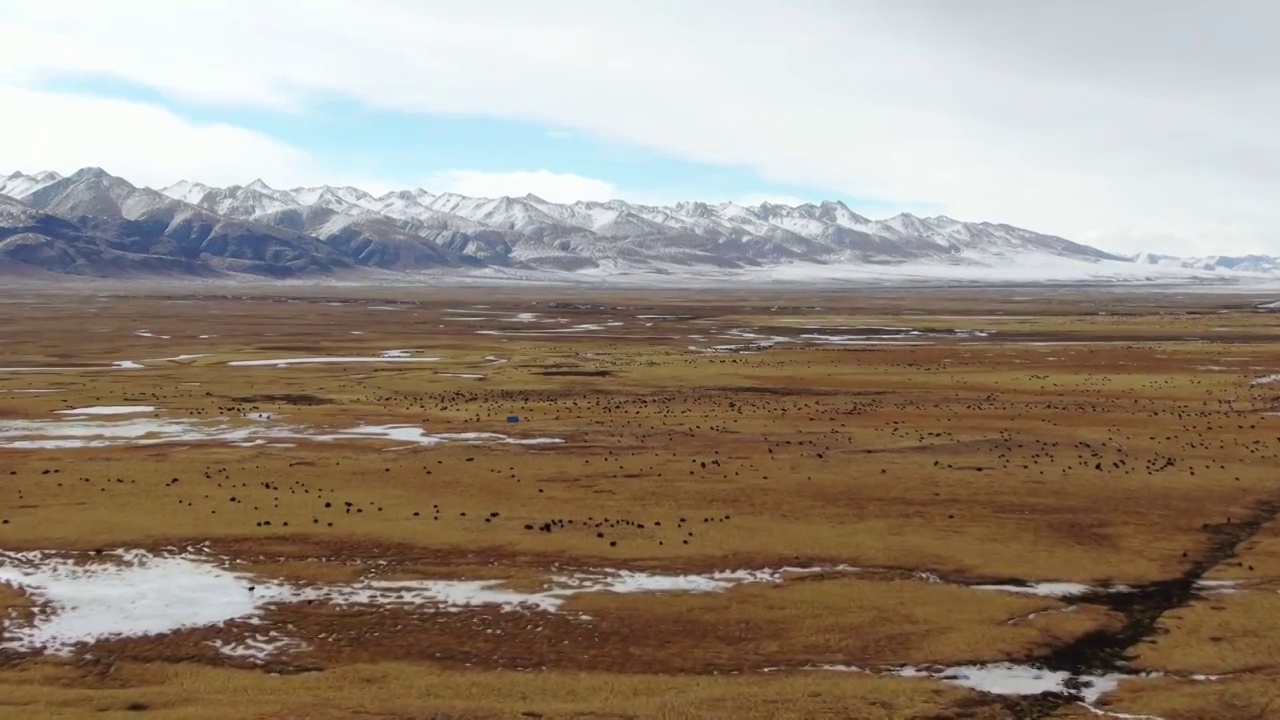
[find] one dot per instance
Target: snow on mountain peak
(19, 184)
(94, 173)
(532, 232)
(187, 191)
(260, 186)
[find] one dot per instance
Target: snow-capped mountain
(260, 229)
(92, 222)
(18, 185)
(532, 231)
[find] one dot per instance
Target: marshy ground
(852, 505)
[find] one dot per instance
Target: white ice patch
(259, 647)
(880, 336)
(179, 358)
(1218, 587)
(1054, 589)
(1049, 589)
(584, 328)
(135, 593)
(79, 433)
(418, 436)
(107, 410)
(627, 581)
(1010, 679)
(138, 594)
(1042, 613)
(1003, 678)
(288, 362)
(74, 433)
(1118, 715)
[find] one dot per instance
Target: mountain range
(93, 223)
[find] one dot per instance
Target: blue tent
(513, 418)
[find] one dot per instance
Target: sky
(1140, 125)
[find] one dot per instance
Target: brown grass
(189, 692)
(1221, 635)
(972, 458)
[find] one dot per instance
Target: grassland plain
(908, 448)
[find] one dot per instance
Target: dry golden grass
(1250, 697)
(840, 621)
(1066, 445)
(1223, 634)
(193, 692)
(1257, 563)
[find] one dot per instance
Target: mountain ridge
(95, 223)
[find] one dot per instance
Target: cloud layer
(144, 143)
(1142, 124)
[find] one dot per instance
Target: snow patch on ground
(1054, 589)
(1011, 679)
(137, 594)
(1218, 587)
(1119, 715)
(107, 410)
(259, 647)
(289, 362)
(178, 358)
(77, 432)
(130, 593)
(1007, 679)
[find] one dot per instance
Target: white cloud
(1086, 119)
(145, 144)
(555, 187)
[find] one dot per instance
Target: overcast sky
(1132, 125)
